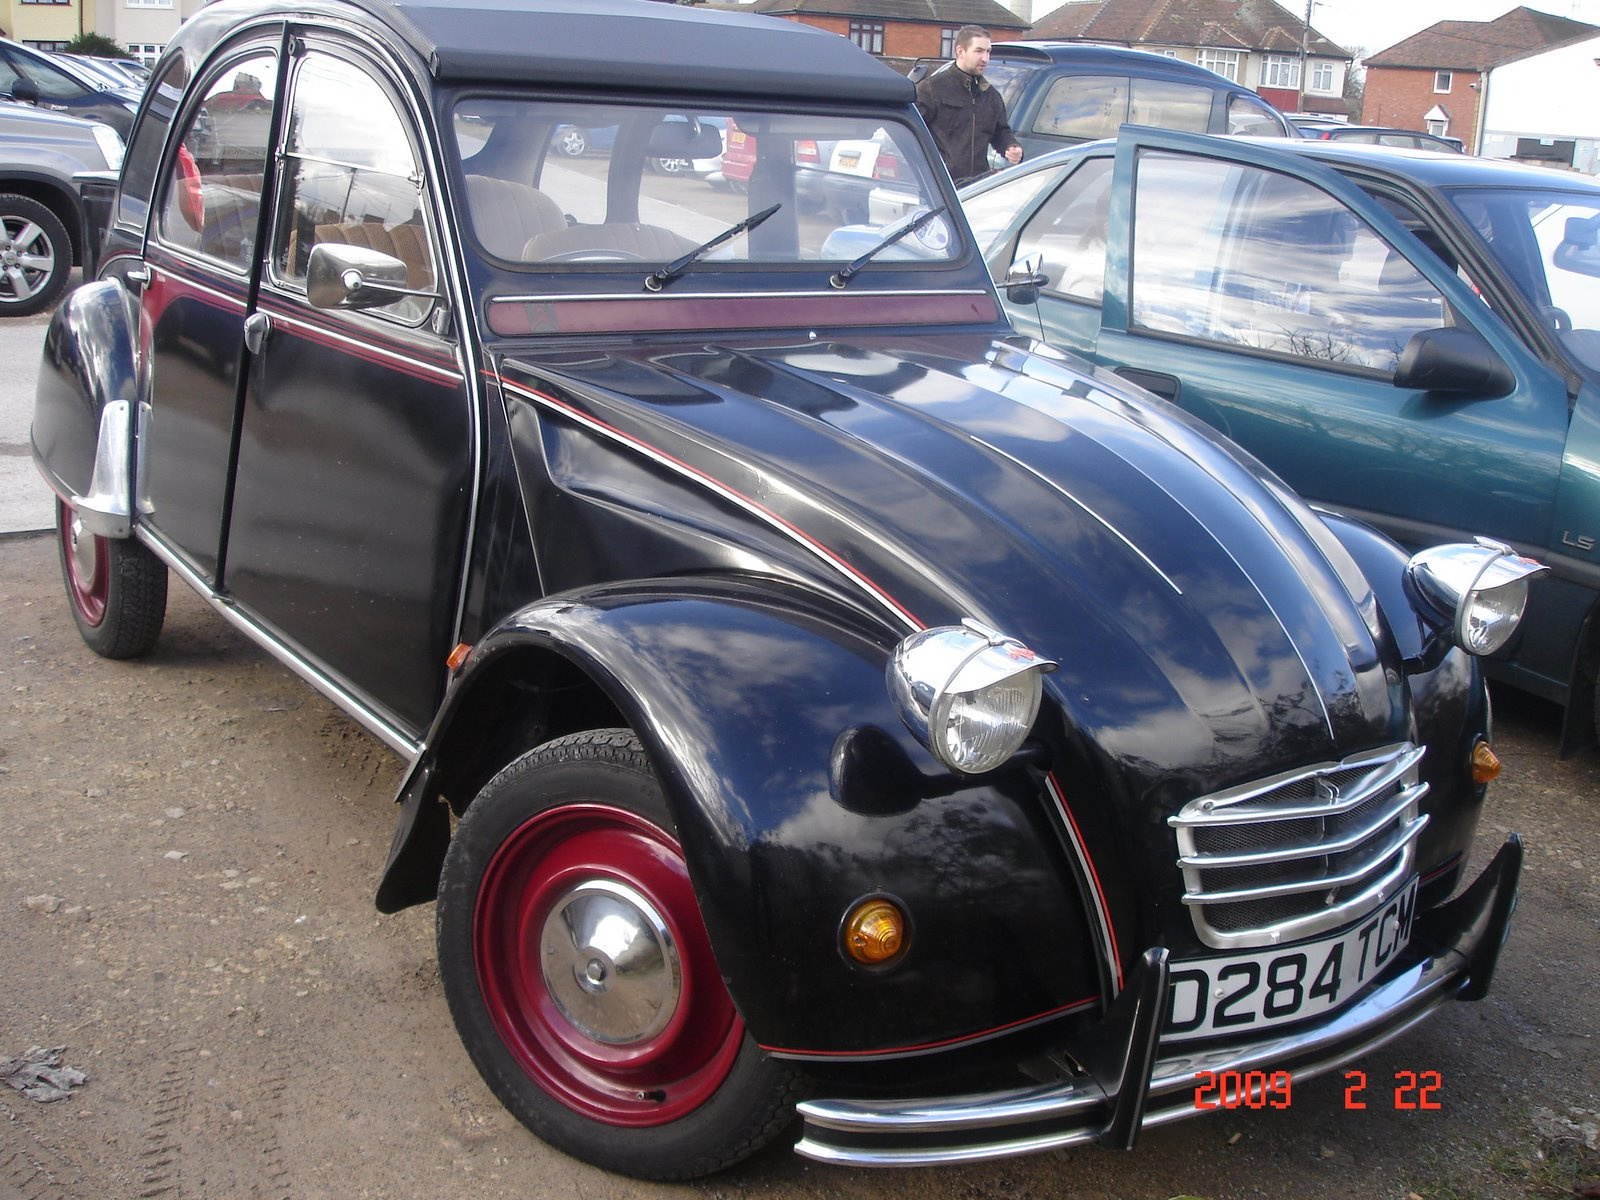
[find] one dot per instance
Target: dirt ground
(190, 849)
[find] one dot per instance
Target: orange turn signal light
(458, 656)
(874, 931)
(1485, 764)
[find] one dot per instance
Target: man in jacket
(965, 112)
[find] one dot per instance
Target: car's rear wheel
(572, 142)
(118, 589)
(580, 975)
(35, 256)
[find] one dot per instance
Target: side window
(1169, 105)
(55, 87)
(351, 178)
(990, 213)
(1251, 116)
(1069, 233)
(211, 193)
(1256, 260)
(144, 148)
(1083, 106)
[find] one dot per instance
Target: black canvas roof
(636, 44)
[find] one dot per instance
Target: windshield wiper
(654, 281)
(840, 278)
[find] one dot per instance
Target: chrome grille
(1303, 852)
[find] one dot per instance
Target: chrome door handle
(256, 327)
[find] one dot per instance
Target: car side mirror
(1453, 360)
(343, 276)
(691, 138)
(24, 91)
(1025, 278)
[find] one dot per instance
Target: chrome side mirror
(343, 276)
(1025, 278)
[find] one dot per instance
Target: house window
(947, 42)
(869, 36)
(1322, 77)
(1280, 71)
(146, 52)
(1438, 128)
(44, 2)
(1223, 62)
(148, 3)
(1442, 81)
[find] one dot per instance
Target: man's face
(973, 59)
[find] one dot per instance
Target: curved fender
(1450, 704)
(798, 792)
(85, 405)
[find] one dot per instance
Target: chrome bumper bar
(1130, 1083)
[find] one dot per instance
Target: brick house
(1511, 87)
(899, 31)
(1253, 42)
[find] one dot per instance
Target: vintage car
(814, 697)
(1287, 291)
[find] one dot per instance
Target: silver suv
(41, 222)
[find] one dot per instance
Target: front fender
(797, 791)
(85, 406)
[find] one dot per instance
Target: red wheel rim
(675, 1065)
(88, 580)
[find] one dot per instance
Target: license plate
(849, 160)
(1212, 997)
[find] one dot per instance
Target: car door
(350, 503)
(200, 258)
(1272, 298)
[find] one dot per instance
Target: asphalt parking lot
(25, 502)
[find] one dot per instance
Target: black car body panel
(516, 501)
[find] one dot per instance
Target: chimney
(1023, 10)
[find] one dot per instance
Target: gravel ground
(191, 846)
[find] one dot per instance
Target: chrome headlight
(968, 693)
(1481, 589)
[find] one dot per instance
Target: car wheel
(636, 1062)
(35, 256)
(672, 166)
(118, 589)
(572, 142)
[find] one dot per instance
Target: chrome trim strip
(306, 667)
(1403, 756)
(1221, 809)
(1388, 1012)
(106, 509)
(283, 317)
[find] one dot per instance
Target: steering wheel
(594, 255)
(1557, 317)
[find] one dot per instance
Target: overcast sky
(1373, 25)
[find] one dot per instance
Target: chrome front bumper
(1131, 1082)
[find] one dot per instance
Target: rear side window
(1251, 116)
(1083, 107)
(144, 150)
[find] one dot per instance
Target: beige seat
(649, 243)
(405, 242)
(506, 214)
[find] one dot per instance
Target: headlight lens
(1482, 588)
(968, 693)
(110, 143)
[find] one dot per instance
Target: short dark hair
(968, 34)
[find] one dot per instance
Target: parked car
(1410, 338)
(31, 76)
(1380, 135)
(574, 141)
(119, 73)
(1062, 93)
(835, 698)
(41, 214)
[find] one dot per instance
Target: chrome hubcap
(610, 964)
(83, 556)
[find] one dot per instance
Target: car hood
(1203, 618)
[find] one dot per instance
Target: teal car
(1412, 339)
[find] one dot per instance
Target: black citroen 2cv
(816, 698)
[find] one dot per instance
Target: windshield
(553, 185)
(1548, 241)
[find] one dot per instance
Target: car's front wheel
(580, 975)
(35, 256)
(118, 589)
(572, 142)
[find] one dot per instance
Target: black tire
(117, 588)
(35, 256)
(622, 1062)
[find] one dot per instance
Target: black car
(810, 691)
(32, 77)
